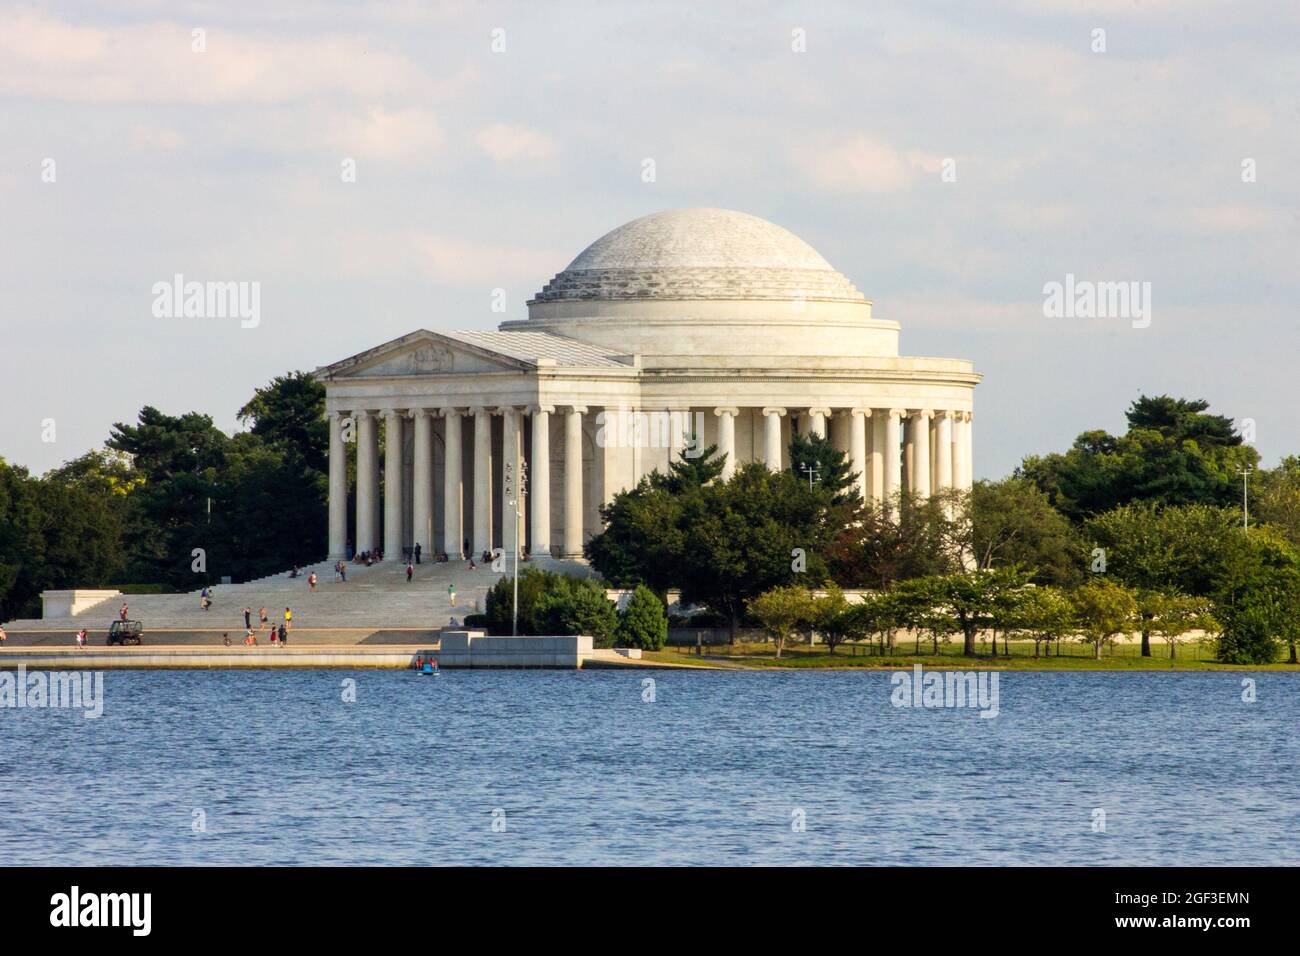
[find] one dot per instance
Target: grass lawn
(1074, 657)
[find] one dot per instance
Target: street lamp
(1245, 471)
(514, 498)
(813, 471)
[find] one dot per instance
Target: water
(283, 771)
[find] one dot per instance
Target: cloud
(154, 138)
(507, 144)
(387, 134)
(858, 164)
(459, 261)
(43, 58)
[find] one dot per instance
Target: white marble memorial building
(676, 331)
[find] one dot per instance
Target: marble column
(893, 453)
(772, 437)
(858, 446)
(482, 481)
(573, 481)
(879, 441)
(966, 449)
(422, 484)
(367, 481)
(918, 429)
(393, 443)
(727, 438)
(452, 494)
(512, 490)
(817, 421)
(338, 503)
(943, 450)
(540, 476)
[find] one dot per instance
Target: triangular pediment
(421, 353)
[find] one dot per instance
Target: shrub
(644, 624)
(575, 606)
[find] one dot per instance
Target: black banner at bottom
(372, 905)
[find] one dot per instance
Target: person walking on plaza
(121, 614)
(418, 549)
(311, 580)
(284, 635)
(288, 616)
(410, 570)
(262, 615)
(451, 594)
(248, 618)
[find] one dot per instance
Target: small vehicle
(124, 632)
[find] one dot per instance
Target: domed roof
(699, 254)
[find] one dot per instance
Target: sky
(952, 159)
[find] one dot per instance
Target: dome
(699, 254)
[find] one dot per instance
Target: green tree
(782, 612)
(722, 543)
(833, 618)
(499, 605)
(1173, 615)
(1173, 453)
(876, 546)
(1277, 499)
(179, 459)
(1104, 610)
(1257, 598)
(1012, 523)
(578, 606)
(644, 623)
(830, 467)
(1154, 549)
(1044, 615)
(289, 413)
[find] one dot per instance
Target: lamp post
(813, 471)
(1245, 471)
(514, 498)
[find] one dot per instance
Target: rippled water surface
(279, 770)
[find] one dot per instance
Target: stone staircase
(373, 597)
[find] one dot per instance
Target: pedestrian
(288, 616)
(343, 572)
(262, 615)
(248, 618)
(338, 572)
(410, 570)
(250, 639)
(284, 635)
(3, 636)
(451, 594)
(121, 614)
(418, 549)
(80, 638)
(472, 565)
(311, 580)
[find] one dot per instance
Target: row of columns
(881, 472)
(364, 426)
(884, 446)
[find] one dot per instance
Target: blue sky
(479, 170)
